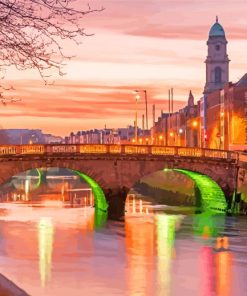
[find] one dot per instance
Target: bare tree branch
(32, 33)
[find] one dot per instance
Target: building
(219, 119)
(217, 61)
(103, 136)
(181, 128)
(227, 117)
(27, 136)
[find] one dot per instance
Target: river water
(53, 250)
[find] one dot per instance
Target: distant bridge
(111, 170)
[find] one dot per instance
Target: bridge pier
(116, 198)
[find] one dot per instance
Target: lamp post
(146, 103)
(137, 97)
(196, 126)
(180, 132)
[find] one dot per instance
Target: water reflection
(216, 257)
(223, 261)
(165, 225)
(45, 237)
(75, 251)
(140, 238)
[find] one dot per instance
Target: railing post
(202, 152)
(176, 151)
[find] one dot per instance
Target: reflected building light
(165, 227)
(207, 271)
(45, 237)
(223, 260)
(127, 204)
(91, 197)
(27, 186)
(140, 206)
(62, 192)
(140, 243)
(134, 205)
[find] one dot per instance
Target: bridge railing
(243, 157)
(117, 149)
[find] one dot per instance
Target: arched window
(217, 73)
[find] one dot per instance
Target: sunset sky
(152, 45)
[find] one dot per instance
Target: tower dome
(217, 62)
(216, 30)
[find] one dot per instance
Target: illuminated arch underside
(211, 195)
(99, 196)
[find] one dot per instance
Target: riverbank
(8, 288)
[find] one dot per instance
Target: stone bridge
(112, 170)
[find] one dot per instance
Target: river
(53, 250)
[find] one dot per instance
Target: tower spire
(217, 19)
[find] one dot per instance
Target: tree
(32, 31)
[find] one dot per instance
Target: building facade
(219, 119)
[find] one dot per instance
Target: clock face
(217, 47)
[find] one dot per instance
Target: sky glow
(152, 45)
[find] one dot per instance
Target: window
(217, 47)
(217, 73)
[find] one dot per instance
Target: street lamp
(146, 103)
(31, 139)
(195, 125)
(137, 97)
(160, 139)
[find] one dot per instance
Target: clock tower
(217, 62)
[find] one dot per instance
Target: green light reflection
(210, 197)
(99, 196)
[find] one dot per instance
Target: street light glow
(195, 123)
(180, 130)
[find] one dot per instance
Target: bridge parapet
(10, 150)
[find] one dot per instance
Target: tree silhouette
(32, 31)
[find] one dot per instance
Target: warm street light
(160, 139)
(195, 123)
(171, 134)
(146, 103)
(180, 130)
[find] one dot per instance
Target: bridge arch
(115, 172)
(99, 196)
(209, 196)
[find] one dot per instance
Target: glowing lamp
(195, 123)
